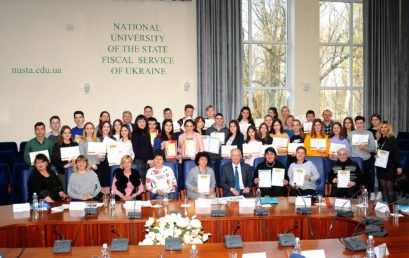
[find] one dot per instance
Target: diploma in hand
(69, 153)
(203, 183)
(170, 149)
(153, 134)
(343, 178)
(190, 148)
(278, 177)
(299, 175)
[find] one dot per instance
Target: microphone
(92, 209)
(173, 243)
(118, 244)
(219, 212)
(61, 246)
(287, 239)
(234, 241)
(341, 213)
(134, 214)
(305, 210)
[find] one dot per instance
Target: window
(264, 24)
(341, 57)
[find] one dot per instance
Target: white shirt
(125, 148)
(240, 176)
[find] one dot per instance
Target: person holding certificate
(345, 176)
(160, 179)
(235, 137)
(280, 138)
(94, 159)
(64, 141)
(104, 135)
(218, 127)
(264, 135)
(245, 117)
(339, 138)
(125, 142)
(116, 129)
(362, 145)
(348, 125)
(255, 144)
(127, 184)
(317, 142)
(271, 176)
(387, 161)
(236, 178)
(201, 182)
(303, 174)
(44, 182)
(200, 125)
(83, 184)
(167, 135)
(38, 143)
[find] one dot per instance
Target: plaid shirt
(328, 128)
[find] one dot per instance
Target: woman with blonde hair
(127, 184)
(83, 185)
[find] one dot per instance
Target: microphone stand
(306, 210)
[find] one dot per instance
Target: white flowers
(174, 225)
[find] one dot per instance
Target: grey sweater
(83, 184)
(309, 169)
(191, 181)
(364, 154)
(92, 159)
(223, 129)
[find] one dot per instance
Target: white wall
(74, 35)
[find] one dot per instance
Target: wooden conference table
(24, 230)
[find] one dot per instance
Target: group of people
(313, 136)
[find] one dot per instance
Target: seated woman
(311, 174)
(269, 165)
(44, 182)
(160, 179)
(83, 185)
(201, 169)
(127, 184)
(344, 163)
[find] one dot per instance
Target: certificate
(264, 147)
(278, 177)
(299, 175)
(213, 145)
(95, 148)
(176, 127)
(264, 176)
(208, 123)
(153, 134)
(226, 149)
(251, 148)
(358, 139)
(203, 183)
(190, 148)
(343, 178)
(316, 144)
(382, 158)
(292, 147)
(171, 149)
(281, 143)
(69, 153)
(220, 136)
(335, 147)
(108, 142)
(114, 155)
(307, 127)
(35, 153)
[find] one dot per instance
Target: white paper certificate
(226, 149)
(243, 128)
(299, 175)
(208, 123)
(190, 148)
(343, 178)
(203, 183)
(307, 127)
(382, 158)
(292, 147)
(171, 149)
(153, 134)
(176, 126)
(278, 177)
(35, 153)
(280, 142)
(95, 148)
(220, 136)
(264, 147)
(317, 144)
(213, 145)
(358, 139)
(69, 153)
(114, 155)
(264, 176)
(251, 148)
(334, 147)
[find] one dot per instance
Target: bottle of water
(193, 252)
(112, 200)
(258, 198)
(35, 201)
(105, 253)
(297, 246)
(165, 199)
(365, 198)
(370, 252)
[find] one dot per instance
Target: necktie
(236, 179)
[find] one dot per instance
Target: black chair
(17, 181)
(8, 157)
(4, 184)
(20, 157)
(403, 135)
(9, 146)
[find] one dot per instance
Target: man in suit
(236, 178)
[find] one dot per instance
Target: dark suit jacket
(227, 178)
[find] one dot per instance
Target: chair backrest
(9, 146)
(359, 161)
(187, 166)
(4, 184)
(404, 159)
(403, 135)
(21, 151)
(68, 173)
(319, 163)
(283, 160)
(114, 167)
(173, 166)
(8, 157)
(256, 162)
(222, 163)
(26, 176)
(17, 181)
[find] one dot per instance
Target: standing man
(38, 143)
(127, 120)
(55, 125)
(327, 122)
(78, 131)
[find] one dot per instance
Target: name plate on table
(382, 207)
(246, 206)
(299, 201)
(342, 203)
(20, 207)
(77, 206)
(203, 206)
(133, 205)
(314, 253)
